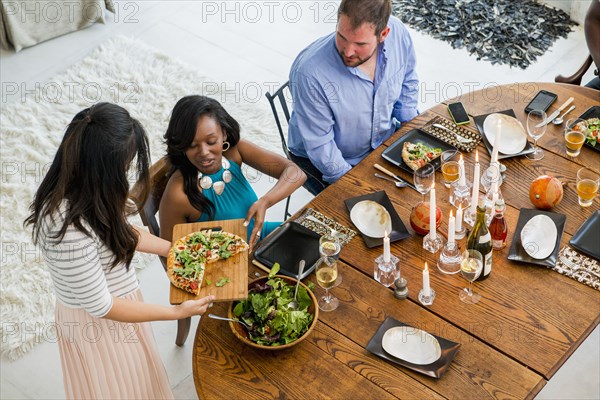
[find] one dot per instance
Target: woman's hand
(195, 307)
(257, 211)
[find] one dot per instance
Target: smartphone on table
(542, 101)
(458, 113)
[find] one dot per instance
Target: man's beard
(356, 61)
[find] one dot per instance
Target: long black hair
(180, 135)
(90, 172)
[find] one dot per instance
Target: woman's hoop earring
(226, 146)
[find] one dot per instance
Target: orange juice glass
(574, 141)
(587, 186)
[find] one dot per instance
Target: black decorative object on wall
(514, 32)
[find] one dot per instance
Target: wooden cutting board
(234, 268)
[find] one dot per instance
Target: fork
(397, 183)
(460, 138)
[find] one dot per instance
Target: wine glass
(536, 130)
(471, 266)
(327, 273)
(423, 179)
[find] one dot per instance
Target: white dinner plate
(411, 344)
(371, 218)
(513, 138)
(538, 236)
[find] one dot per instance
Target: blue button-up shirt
(339, 115)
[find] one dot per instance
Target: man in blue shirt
(351, 89)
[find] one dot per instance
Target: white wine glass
(471, 267)
(536, 130)
(330, 246)
(327, 273)
(423, 179)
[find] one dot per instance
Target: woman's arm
(124, 310)
(289, 178)
(175, 207)
(148, 243)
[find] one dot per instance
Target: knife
(555, 113)
(390, 173)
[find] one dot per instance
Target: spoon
(559, 120)
(460, 138)
(293, 305)
(398, 184)
(213, 316)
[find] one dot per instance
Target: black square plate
(287, 245)
(399, 231)
(479, 120)
(518, 253)
(393, 153)
(587, 237)
(592, 112)
(435, 369)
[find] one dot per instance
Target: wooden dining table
(529, 321)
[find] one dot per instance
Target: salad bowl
(309, 303)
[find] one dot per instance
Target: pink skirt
(105, 359)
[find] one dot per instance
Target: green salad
(266, 311)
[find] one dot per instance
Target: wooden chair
(148, 211)
(575, 79)
(280, 97)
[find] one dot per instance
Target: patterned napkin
(579, 267)
(450, 138)
(346, 234)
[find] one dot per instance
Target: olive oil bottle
(480, 239)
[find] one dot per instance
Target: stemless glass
(587, 186)
(471, 266)
(449, 167)
(327, 273)
(534, 119)
(423, 179)
(571, 123)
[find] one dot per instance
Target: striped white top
(80, 267)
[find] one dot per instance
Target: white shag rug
(125, 71)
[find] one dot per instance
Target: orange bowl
(242, 334)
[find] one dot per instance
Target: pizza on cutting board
(190, 254)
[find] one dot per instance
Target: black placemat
(287, 245)
(435, 369)
(399, 230)
(587, 237)
(393, 153)
(518, 253)
(480, 119)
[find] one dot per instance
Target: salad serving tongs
(213, 316)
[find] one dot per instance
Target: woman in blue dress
(206, 181)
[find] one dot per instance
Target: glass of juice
(587, 186)
(449, 167)
(574, 141)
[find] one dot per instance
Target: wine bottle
(480, 239)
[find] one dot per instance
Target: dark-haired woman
(79, 220)
(206, 183)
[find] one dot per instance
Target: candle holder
(461, 231)
(461, 194)
(491, 174)
(450, 258)
(401, 291)
(427, 300)
(469, 218)
(386, 272)
(433, 245)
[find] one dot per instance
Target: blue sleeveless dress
(235, 201)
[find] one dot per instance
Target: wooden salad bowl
(242, 334)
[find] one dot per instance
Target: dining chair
(148, 211)
(280, 97)
(575, 79)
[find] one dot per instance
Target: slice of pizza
(189, 255)
(415, 155)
